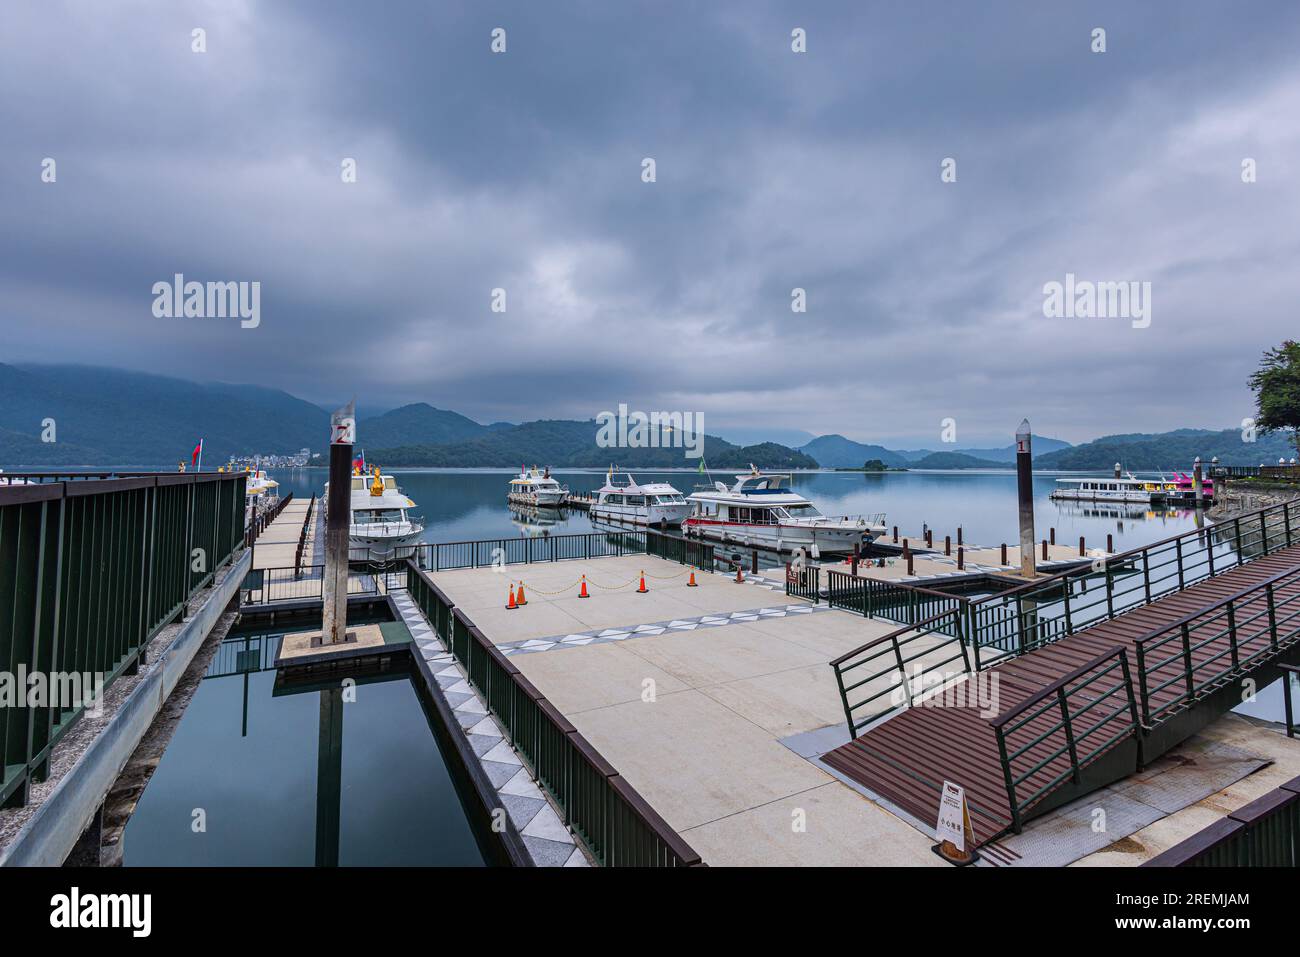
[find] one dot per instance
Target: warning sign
(954, 817)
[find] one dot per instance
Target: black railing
(803, 581)
(264, 586)
(1280, 473)
(302, 535)
(90, 570)
(260, 520)
(1263, 833)
(1048, 738)
(612, 819)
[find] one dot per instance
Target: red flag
(198, 449)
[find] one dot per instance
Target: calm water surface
(248, 761)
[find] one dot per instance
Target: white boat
(380, 525)
(1128, 489)
(535, 487)
(762, 510)
(622, 499)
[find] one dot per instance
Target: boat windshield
(669, 500)
(368, 516)
(805, 510)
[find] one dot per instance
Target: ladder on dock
(1033, 722)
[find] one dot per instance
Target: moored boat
(623, 499)
(762, 510)
(380, 525)
(536, 487)
(1110, 489)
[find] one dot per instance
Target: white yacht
(762, 510)
(622, 499)
(380, 524)
(535, 487)
(1130, 489)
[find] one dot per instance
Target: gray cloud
(522, 171)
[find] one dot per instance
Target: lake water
(249, 761)
(463, 505)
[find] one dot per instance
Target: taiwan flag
(197, 455)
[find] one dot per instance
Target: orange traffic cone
(520, 599)
(583, 593)
(642, 590)
(740, 574)
(691, 583)
(510, 605)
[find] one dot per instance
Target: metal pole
(338, 508)
(1197, 490)
(1025, 486)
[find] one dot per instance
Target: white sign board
(953, 816)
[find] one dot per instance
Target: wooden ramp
(1083, 711)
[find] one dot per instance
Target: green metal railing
(1184, 660)
(485, 553)
(1038, 613)
(1049, 738)
(803, 581)
(90, 570)
(1263, 833)
(606, 812)
(886, 660)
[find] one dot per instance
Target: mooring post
(1025, 490)
(338, 508)
(1052, 533)
(1082, 551)
(909, 563)
(1197, 490)
(947, 544)
(907, 552)
(1004, 553)
(961, 558)
(1110, 543)
(1044, 549)
(929, 537)
(857, 554)
(895, 534)
(959, 538)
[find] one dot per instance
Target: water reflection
(266, 772)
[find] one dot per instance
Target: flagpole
(199, 468)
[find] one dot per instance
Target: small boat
(1182, 489)
(1130, 489)
(762, 510)
(625, 500)
(535, 487)
(380, 525)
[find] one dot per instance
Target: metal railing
(1282, 473)
(613, 820)
(803, 581)
(486, 553)
(1263, 833)
(259, 521)
(90, 570)
(897, 601)
(1201, 652)
(302, 535)
(887, 659)
(265, 586)
(1032, 733)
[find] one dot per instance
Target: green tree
(1276, 385)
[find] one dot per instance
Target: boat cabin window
(636, 500)
(803, 510)
(366, 516)
(614, 498)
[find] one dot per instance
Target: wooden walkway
(906, 758)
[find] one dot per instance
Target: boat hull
(380, 546)
(1105, 495)
(641, 514)
(537, 499)
(783, 538)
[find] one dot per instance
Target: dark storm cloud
(775, 170)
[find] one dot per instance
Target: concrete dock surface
(690, 692)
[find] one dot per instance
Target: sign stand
(956, 837)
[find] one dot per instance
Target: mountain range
(100, 416)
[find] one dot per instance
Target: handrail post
(1232, 634)
(1187, 660)
(1006, 774)
(1236, 526)
(844, 700)
(1146, 574)
(1110, 592)
(1263, 531)
(1065, 598)
(1132, 705)
(1272, 616)
(1178, 552)
(961, 640)
(1286, 520)
(902, 670)
(1069, 733)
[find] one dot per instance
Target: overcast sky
(522, 170)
